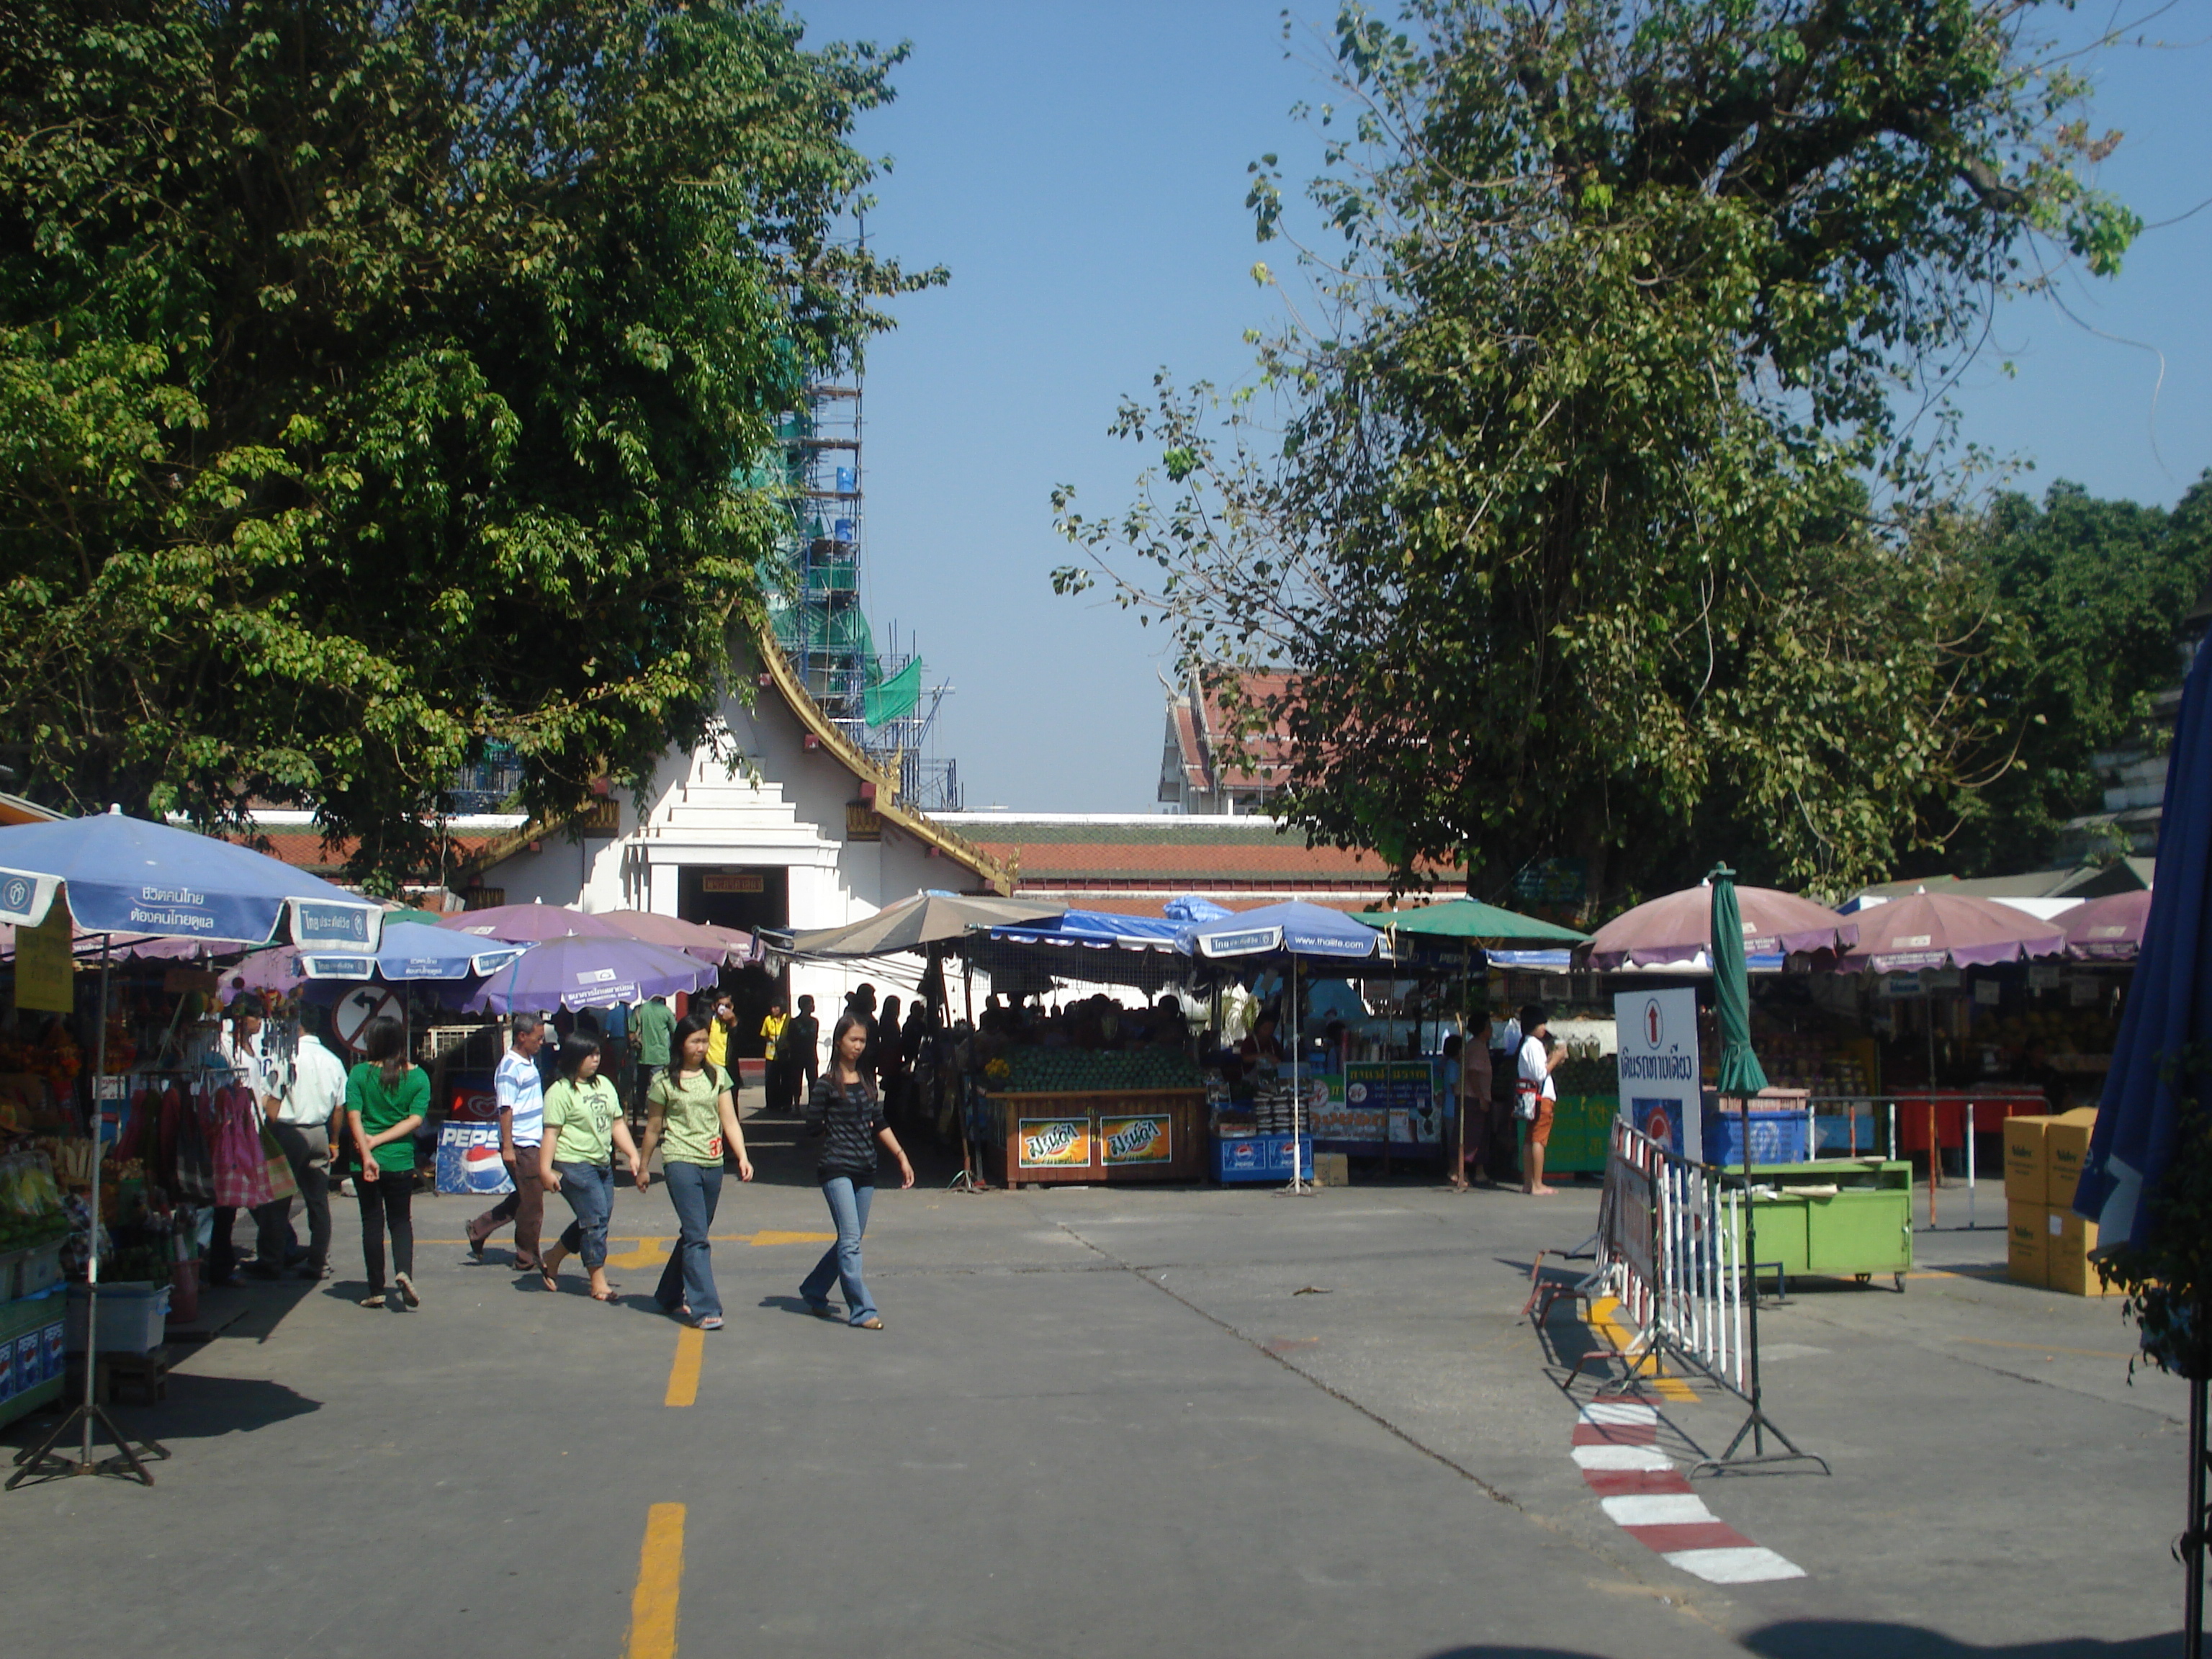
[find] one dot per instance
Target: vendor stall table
(1834, 1217)
(1116, 1135)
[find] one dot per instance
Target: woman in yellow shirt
(771, 1039)
(723, 1020)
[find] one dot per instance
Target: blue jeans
(689, 1278)
(848, 1209)
(590, 1190)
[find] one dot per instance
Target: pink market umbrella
(702, 939)
(580, 972)
(532, 923)
(2108, 929)
(1679, 928)
(1947, 930)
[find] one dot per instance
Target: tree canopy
(376, 380)
(2094, 592)
(1592, 500)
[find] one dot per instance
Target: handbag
(1528, 1101)
(283, 1184)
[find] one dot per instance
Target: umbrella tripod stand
(42, 1462)
(1758, 1425)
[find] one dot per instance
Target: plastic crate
(133, 1318)
(1259, 1158)
(1781, 1137)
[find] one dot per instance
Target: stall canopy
(127, 875)
(915, 924)
(1678, 928)
(1099, 930)
(1947, 930)
(2108, 929)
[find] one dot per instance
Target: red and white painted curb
(1617, 1448)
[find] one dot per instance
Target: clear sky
(1080, 169)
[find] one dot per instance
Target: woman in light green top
(583, 1123)
(691, 1117)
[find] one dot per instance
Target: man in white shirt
(520, 1094)
(1534, 1094)
(303, 1125)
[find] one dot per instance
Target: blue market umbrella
(1292, 928)
(122, 875)
(127, 875)
(2168, 1013)
(411, 951)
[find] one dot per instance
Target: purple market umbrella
(1679, 928)
(590, 973)
(2109, 929)
(702, 939)
(1947, 930)
(532, 923)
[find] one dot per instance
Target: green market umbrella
(1471, 919)
(1741, 1077)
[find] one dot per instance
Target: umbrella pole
(1298, 1182)
(42, 1462)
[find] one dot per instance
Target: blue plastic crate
(1776, 1137)
(1259, 1158)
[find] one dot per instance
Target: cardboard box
(2065, 1147)
(2027, 1243)
(2069, 1240)
(2026, 1178)
(1332, 1170)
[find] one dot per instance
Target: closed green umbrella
(1741, 1072)
(1742, 1077)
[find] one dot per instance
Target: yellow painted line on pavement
(790, 1238)
(1601, 1320)
(770, 1237)
(649, 1252)
(684, 1375)
(652, 1605)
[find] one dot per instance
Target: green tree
(2095, 591)
(375, 381)
(1577, 502)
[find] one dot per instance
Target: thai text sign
(1149, 1139)
(1658, 1064)
(1053, 1143)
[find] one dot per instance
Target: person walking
(1474, 1087)
(307, 1123)
(1537, 1090)
(846, 1113)
(800, 1048)
(691, 1117)
(655, 1020)
(386, 1101)
(521, 1097)
(584, 1122)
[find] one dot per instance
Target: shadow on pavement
(1819, 1638)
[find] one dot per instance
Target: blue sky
(1081, 170)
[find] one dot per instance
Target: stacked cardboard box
(2045, 1242)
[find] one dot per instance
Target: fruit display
(1083, 1071)
(1589, 1074)
(30, 1200)
(53, 1055)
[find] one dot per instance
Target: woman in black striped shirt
(845, 1111)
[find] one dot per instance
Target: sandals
(711, 1323)
(610, 1298)
(375, 1301)
(872, 1323)
(545, 1277)
(821, 1310)
(407, 1289)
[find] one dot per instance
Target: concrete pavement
(1101, 1422)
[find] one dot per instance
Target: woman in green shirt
(386, 1099)
(691, 1116)
(584, 1121)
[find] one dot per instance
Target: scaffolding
(880, 700)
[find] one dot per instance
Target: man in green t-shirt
(655, 1021)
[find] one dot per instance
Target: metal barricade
(1670, 1252)
(1882, 1114)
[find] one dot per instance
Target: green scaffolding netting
(895, 698)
